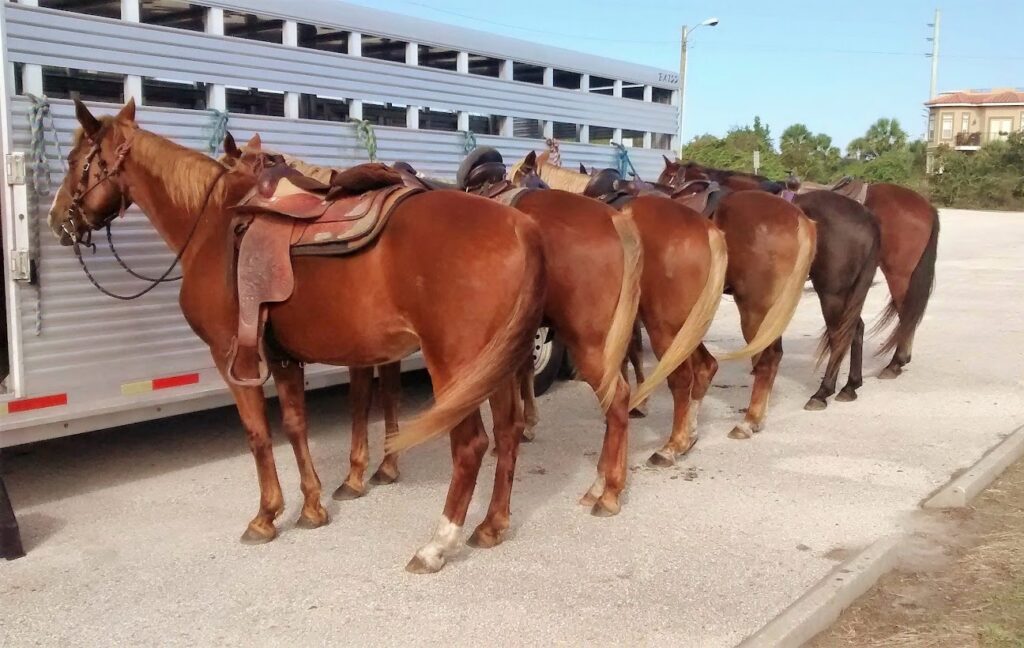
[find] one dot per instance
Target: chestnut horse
(909, 227)
(417, 286)
(767, 267)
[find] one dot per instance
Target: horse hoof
(346, 493)
(588, 499)
(529, 434)
(890, 373)
(740, 432)
(315, 521)
(604, 509)
(485, 538)
(256, 536)
(638, 412)
(815, 404)
(846, 395)
(661, 460)
(419, 566)
(381, 478)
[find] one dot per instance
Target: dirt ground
(962, 585)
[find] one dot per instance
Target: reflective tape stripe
(34, 403)
(166, 382)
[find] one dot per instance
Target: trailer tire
(548, 359)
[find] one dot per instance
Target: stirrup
(263, 366)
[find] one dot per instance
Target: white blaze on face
(446, 540)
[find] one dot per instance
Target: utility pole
(935, 54)
(682, 85)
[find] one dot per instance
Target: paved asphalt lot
(133, 533)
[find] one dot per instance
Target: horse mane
(188, 174)
(556, 177)
(321, 173)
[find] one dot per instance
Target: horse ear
(230, 147)
(530, 160)
(583, 169)
(669, 163)
(128, 112)
(90, 124)
(255, 142)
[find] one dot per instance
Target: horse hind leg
(636, 359)
(529, 402)
(856, 377)
(469, 443)
(391, 392)
(360, 395)
(680, 383)
(289, 378)
(508, 430)
(832, 307)
(704, 369)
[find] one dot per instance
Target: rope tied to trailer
(622, 161)
(468, 141)
(366, 136)
(554, 151)
(218, 127)
(40, 121)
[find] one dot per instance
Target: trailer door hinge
(14, 168)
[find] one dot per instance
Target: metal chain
(218, 127)
(366, 136)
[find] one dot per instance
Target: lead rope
(367, 137)
(163, 278)
(622, 161)
(218, 127)
(468, 141)
(554, 151)
(38, 115)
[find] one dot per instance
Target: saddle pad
(340, 232)
(854, 189)
(510, 195)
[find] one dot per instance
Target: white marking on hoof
(691, 419)
(597, 489)
(435, 553)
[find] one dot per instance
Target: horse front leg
(289, 377)
(391, 392)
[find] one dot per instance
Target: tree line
(991, 178)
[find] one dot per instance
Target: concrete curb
(960, 491)
(821, 605)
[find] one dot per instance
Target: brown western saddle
(482, 172)
(608, 186)
(848, 186)
(288, 214)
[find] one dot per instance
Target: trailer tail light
(34, 403)
(166, 382)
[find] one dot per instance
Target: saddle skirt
(854, 189)
(285, 215)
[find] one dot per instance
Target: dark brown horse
(767, 267)
(843, 269)
(459, 277)
(909, 248)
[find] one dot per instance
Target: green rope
(622, 161)
(367, 137)
(218, 127)
(38, 116)
(468, 141)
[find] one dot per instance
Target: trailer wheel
(548, 356)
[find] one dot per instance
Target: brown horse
(909, 227)
(594, 262)
(766, 270)
(460, 277)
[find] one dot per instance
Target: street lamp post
(709, 22)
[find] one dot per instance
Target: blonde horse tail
(697, 322)
(781, 312)
(620, 332)
(496, 364)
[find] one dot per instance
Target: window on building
(1020, 124)
(661, 141)
(568, 80)
(965, 122)
(484, 124)
(601, 85)
(632, 90)
(327, 39)
(931, 126)
(104, 8)
(601, 134)
(484, 65)
(253, 101)
(439, 57)
(442, 120)
(253, 26)
(323, 108)
(68, 83)
(173, 13)
(19, 85)
(999, 128)
(384, 114)
(632, 138)
(167, 93)
(527, 73)
(384, 49)
(947, 126)
(661, 95)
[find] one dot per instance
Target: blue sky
(835, 66)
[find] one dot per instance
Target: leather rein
(83, 188)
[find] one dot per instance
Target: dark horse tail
(922, 280)
(838, 344)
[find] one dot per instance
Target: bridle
(83, 188)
